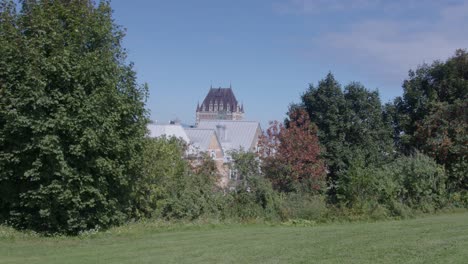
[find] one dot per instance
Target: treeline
(74, 155)
(366, 158)
(340, 155)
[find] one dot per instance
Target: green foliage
(349, 122)
(431, 116)
(72, 117)
(326, 107)
(416, 182)
(171, 189)
(421, 180)
(253, 195)
(193, 195)
(443, 135)
(162, 165)
(257, 200)
(246, 164)
(303, 206)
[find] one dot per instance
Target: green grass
(433, 239)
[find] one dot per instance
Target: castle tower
(219, 104)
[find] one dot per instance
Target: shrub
(163, 166)
(256, 199)
(415, 182)
(420, 180)
(303, 206)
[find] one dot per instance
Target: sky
(270, 51)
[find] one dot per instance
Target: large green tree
(349, 122)
(72, 117)
(431, 116)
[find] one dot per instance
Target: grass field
(433, 239)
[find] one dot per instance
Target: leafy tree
(193, 194)
(326, 107)
(290, 155)
(162, 166)
(443, 135)
(366, 130)
(246, 165)
(348, 122)
(431, 115)
(72, 117)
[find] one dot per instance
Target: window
(233, 174)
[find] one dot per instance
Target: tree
(443, 135)
(326, 107)
(72, 117)
(431, 114)
(290, 155)
(348, 122)
(366, 129)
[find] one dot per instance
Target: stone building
(219, 104)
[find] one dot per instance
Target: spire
(198, 106)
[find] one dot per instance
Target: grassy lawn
(433, 239)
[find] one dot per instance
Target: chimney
(222, 132)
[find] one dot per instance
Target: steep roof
(173, 130)
(217, 96)
(233, 134)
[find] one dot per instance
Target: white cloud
(389, 45)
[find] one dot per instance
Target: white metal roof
(176, 130)
(233, 134)
(200, 138)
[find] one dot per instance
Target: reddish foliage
(290, 155)
(442, 134)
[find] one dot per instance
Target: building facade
(219, 104)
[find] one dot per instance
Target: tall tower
(219, 104)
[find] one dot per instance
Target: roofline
(224, 120)
(194, 128)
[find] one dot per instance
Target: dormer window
(228, 108)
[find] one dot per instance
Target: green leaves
(431, 116)
(70, 134)
(348, 121)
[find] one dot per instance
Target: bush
(163, 167)
(415, 182)
(420, 180)
(255, 199)
(303, 206)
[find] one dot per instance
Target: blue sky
(271, 50)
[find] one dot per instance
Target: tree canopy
(72, 117)
(432, 117)
(348, 122)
